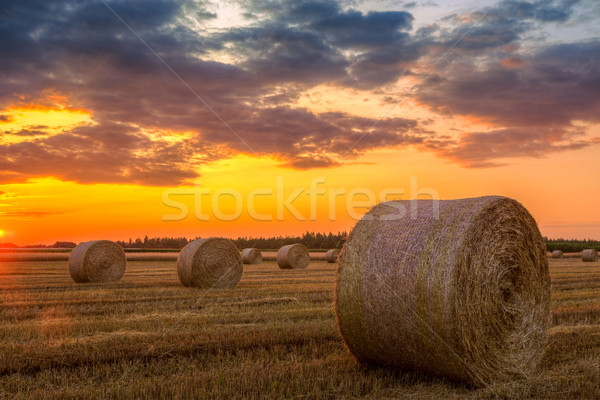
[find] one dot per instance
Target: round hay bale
(557, 254)
(332, 255)
(210, 263)
(97, 261)
(293, 256)
(589, 255)
(251, 256)
(463, 293)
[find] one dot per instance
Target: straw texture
(557, 254)
(97, 261)
(251, 256)
(210, 263)
(463, 292)
(332, 255)
(293, 256)
(589, 255)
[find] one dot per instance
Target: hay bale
(251, 256)
(332, 255)
(293, 256)
(464, 295)
(210, 263)
(557, 254)
(589, 255)
(97, 261)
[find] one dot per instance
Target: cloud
(129, 91)
(26, 132)
(485, 149)
(536, 102)
(557, 85)
(504, 23)
(252, 76)
(306, 42)
(102, 153)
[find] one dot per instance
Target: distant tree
(571, 245)
(64, 245)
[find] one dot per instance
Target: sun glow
(29, 122)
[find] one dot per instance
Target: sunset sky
(107, 108)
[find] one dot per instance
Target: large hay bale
(332, 255)
(557, 254)
(251, 256)
(210, 263)
(464, 295)
(589, 255)
(97, 261)
(293, 256)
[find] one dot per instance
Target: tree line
(571, 246)
(311, 240)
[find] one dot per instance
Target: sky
(120, 119)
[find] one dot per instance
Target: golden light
(38, 121)
(1, 233)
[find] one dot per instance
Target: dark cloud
(105, 153)
(485, 149)
(91, 57)
(81, 50)
(533, 100)
(304, 42)
(556, 86)
(26, 132)
(6, 118)
(504, 23)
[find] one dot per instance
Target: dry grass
(272, 336)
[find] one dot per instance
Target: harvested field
(131, 256)
(273, 335)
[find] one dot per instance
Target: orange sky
(559, 192)
(108, 133)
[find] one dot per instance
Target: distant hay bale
(97, 261)
(251, 256)
(589, 255)
(332, 255)
(463, 293)
(557, 254)
(210, 263)
(293, 256)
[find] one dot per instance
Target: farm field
(273, 336)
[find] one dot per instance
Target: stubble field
(273, 336)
